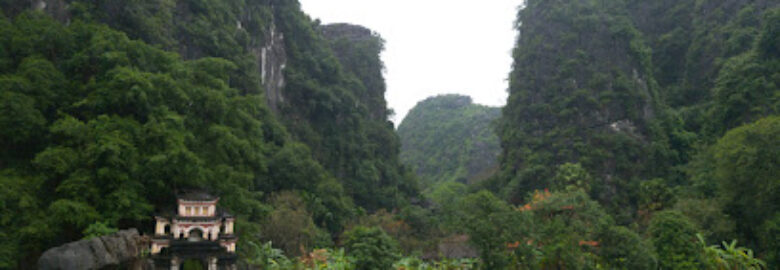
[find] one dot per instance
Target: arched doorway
(193, 264)
(196, 235)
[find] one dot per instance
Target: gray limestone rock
(272, 59)
(109, 251)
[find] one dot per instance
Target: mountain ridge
(449, 138)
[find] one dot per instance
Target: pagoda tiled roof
(194, 195)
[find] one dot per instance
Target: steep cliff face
(358, 49)
(335, 103)
(581, 91)
(449, 138)
(626, 88)
(273, 59)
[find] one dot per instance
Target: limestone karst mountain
(449, 138)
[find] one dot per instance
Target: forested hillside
(361, 144)
(646, 107)
(637, 135)
(448, 138)
(109, 108)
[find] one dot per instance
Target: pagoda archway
(195, 235)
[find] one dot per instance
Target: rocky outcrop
(56, 8)
(119, 250)
(272, 59)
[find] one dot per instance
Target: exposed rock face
(110, 251)
(272, 59)
(56, 8)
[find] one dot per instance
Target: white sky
(434, 46)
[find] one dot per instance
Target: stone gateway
(197, 232)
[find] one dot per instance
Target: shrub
(371, 247)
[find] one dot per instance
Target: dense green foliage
(120, 127)
(651, 106)
(740, 170)
(357, 141)
(581, 92)
(622, 248)
(372, 247)
(266, 257)
(357, 49)
(448, 138)
(320, 94)
(674, 236)
(103, 123)
(555, 230)
(635, 133)
(729, 256)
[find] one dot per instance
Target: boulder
(109, 251)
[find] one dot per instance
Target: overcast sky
(434, 46)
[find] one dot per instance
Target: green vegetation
(729, 256)
(119, 127)
(673, 236)
(448, 138)
(663, 112)
(372, 248)
(582, 95)
(635, 133)
(106, 117)
(328, 110)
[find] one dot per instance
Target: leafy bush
(372, 248)
(621, 248)
(729, 256)
(674, 239)
(98, 229)
(265, 256)
(413, 263)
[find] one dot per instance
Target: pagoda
(195, 232)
